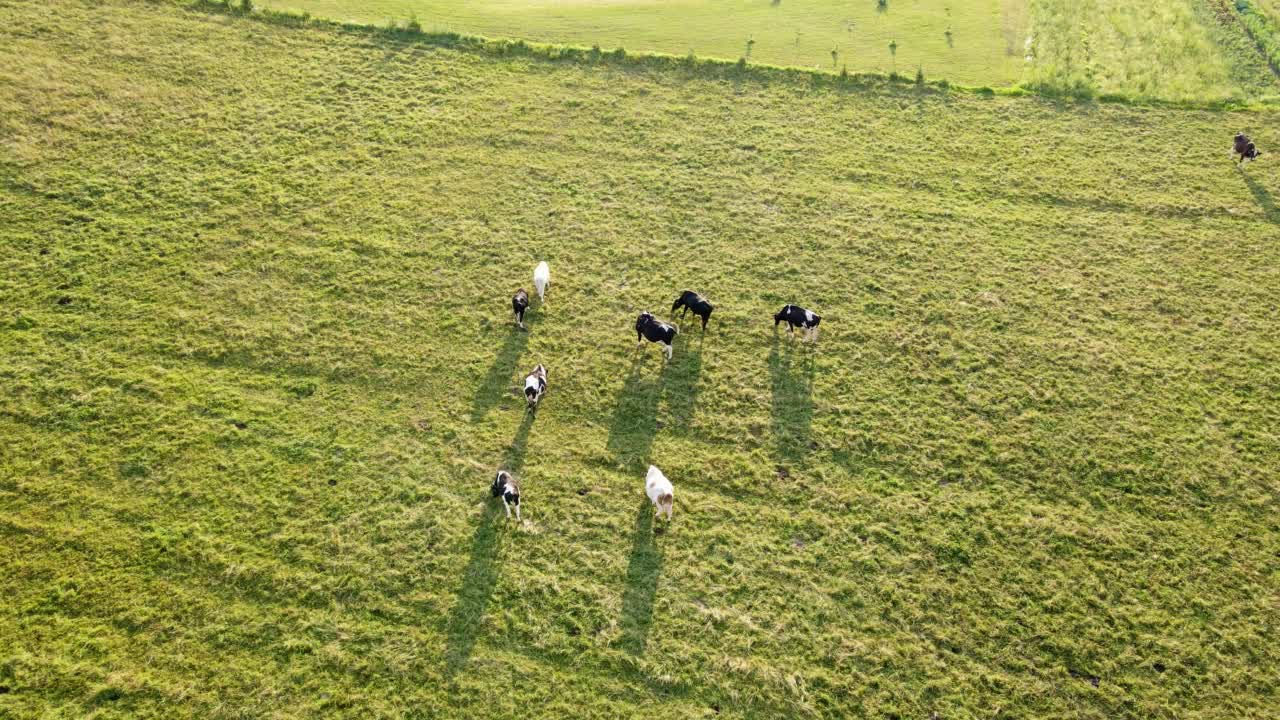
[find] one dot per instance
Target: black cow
(690, 300)
(797, 317)
(520, 303)
(1244, 148)
(506, 487)
(650, 328)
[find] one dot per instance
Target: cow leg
(508, 507)
(704, 322)
(668, 347)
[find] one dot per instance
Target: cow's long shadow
(791, 376)
(513, 458)
(481, 575)
(681, 386)
(1263, 197)
(642, 582)
(635, 413)
(497, 381)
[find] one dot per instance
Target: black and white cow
(520, 303)
(650, 328)
(690, 300)
(797, 317)
(506, 487)
(535, 384)
(1244, 148)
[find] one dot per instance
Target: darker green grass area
(259, 369)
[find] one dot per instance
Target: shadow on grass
(1263, 197)
(635, 413)
(642, 583)
(681, 386)
(791, 377)
(477, 586)
(497, 381)
(481, 575)
(513, 458)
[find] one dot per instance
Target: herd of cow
(657, 486)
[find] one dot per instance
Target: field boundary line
(411, 31)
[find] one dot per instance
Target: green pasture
(258, 369)
(978, 42)
(1176, 50)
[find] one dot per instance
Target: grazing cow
(520, 303)
(542, 280)
(660, 492)
(650, 328)
(1244, 148)
(690, 300)
(506, 487)
(797, 317)
(535, 384)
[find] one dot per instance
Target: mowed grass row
(258, 371)
(1177, 50)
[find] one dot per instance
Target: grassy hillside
(258, 370)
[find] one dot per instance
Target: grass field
(1166, 49)
(984, 46)
(258, 370)
(1172, 49)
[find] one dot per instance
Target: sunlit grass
(258, 367)
(1164, 49)
(1167, 49)
(984, 47)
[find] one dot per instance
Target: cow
(1244, 149)
(542, 280)
(520, 303)
(660, 492)
(535, 384)
(690, 300)
(797, 317)
(650, 328)
(506, 487)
